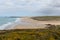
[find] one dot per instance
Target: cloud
(23, 3)
(43, 7)
(30, 5)
(53, 8)
(55, 3)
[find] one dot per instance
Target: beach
(28, 23)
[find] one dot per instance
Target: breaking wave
(10, 24)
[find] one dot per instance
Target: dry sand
(34, 24)
(50, 22)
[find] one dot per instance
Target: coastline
(28, 23)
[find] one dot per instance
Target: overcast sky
(29, 7)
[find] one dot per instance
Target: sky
(29, 7)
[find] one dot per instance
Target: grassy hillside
(51, 33)
(46, 18)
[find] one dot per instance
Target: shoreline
(28, 23)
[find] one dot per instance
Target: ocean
(6, 22)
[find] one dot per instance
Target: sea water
(6, 22)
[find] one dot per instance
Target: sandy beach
(29, 23)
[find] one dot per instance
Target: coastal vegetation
(46, 18)
(50, 33)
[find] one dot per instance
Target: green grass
(46, 18)
(31, 34)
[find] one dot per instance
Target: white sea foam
(10, 25)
